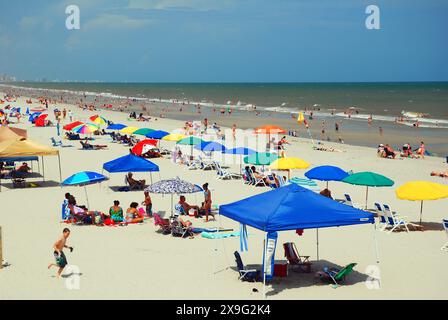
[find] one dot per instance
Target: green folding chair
(339, 275)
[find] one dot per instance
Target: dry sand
(136, 262)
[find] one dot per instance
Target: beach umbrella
(368, 179)
(240, 151)
(129, 130)
(173, 137)
(116, 126)
(143, 146)
(72, 125)
(98, 119)
(157, 134)
(289, 164)
(173, 186)
(84, 178)
(420, 191)
(269, 129)
(261, 158)
(87, 128)
(210, 146)
(326, 173)
(190, 141)
(143, 131)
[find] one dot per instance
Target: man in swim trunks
(59, 245)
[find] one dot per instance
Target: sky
(225, 41)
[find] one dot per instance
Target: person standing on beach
(148, 204)
(59, 245)
(336, 127)
(207, 201)
(381, 131)
(70, 115)
(234, 132)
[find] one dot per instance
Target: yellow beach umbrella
(288, 163)
(174, 137)
(420, 191)
(129, 130)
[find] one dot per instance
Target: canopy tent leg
(264, 264)
(421, 211)
(377, 255)
(60, 170)
(317, 243)
(43, 169)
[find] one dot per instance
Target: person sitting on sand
(421, 150)
(135, 183)
(116, 212)
(440, 174)
(389, 152)
(184, 208)
(326, 193)
(152, 153)
(132, 215)
(407, 151)
(87, 146)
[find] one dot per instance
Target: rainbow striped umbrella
(86, 128)
(98, 119)
(129, 130)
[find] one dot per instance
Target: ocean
(384, 101)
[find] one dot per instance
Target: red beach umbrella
(138, 148)
(70, 126)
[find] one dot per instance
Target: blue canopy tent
(326, 173)
(293, 207)
(130, 163)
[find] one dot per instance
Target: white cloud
(197, 5)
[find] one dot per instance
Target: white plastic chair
(393, 220)
(348, 201)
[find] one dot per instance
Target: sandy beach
(137, 262)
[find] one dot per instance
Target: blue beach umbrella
(326, 173)
(84, 178)
(116, 126)
(241, 151)
(157, 134)
(210, 146)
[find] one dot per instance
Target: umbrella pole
(87, 197)
(150, 174)
(421, 211)
(367, 195)
(43, 169)
(60, 171)
(317, 242)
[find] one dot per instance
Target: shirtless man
(59, 245)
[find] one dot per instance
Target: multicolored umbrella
(87, 128)
(368, 179)
(72, 125)
(420, 191)
(98, 119)
(143, 131)
(261, 158)
(84, 178)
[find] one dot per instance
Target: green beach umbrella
(190, 141)
(143, 131)
(261, 158)
(368, 179)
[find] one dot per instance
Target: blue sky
(225, 41)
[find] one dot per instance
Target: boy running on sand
(59, 245)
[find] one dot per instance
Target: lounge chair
(206, 163)
(224, 174)
(382, 219)
(131, 186)
(281, 181)
(59, 143)
(271, 180)
(336, 275)
(394, 221)
(163, 224)
(295, 259)
(349, 202)
(445, 226)
(255, 181)
(180, 228)
(251, 275)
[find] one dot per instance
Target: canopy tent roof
(130, 163)
(21, 132)
(293, 207)
(7, 133)
(25, 148)
(19, 159)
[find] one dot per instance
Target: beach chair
(349, 202)
(382, 220)
(251, 275)
(55, 143)
(206, 163)
(255, 181)
(247, 179)
(271, 181)
(224, 174)
(281, 181)
(394, 221)
(163, 224)
(445, 226)
(132, 187)
(180, 228)
(295, 259)
(337, 275)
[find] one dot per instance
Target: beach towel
(219, 235)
